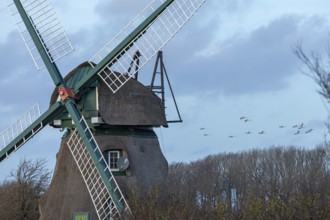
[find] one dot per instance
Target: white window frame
(109, 153)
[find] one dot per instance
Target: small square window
(112, 157)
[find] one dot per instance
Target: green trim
(81, 216)
(118, 173)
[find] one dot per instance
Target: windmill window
(111, 158)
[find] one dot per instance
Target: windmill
(47, 42)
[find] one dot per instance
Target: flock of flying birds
(298, 129)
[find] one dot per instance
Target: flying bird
(295, 126)
(231, 136)
(248, 132)
(309, 131)
(261, 132)
(301, 126)
(246, 120)
(202, 128)
(298, 132)
(206, 134)
(281, 126)
(243, 117)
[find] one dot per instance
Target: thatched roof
(133, 105)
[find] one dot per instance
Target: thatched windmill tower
(122, 124)
(127, 117)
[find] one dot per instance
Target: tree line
(273, 183)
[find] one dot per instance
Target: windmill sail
(28, 125)
(105, 193)
(150, 37)
(44, 34)
(19, 126)
(108, 203)
(46, 25)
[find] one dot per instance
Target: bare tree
(318, 68)
(19, 197)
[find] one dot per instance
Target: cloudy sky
(233, 59)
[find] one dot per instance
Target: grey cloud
(21, 84)
(119, 12)
(232, 6)
(259, 62)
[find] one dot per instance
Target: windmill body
(123, 128)
(77, 105)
